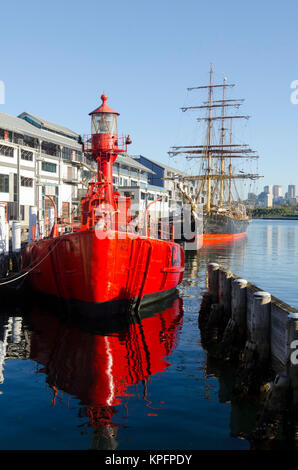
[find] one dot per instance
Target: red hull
(79, 266)
(213, 239)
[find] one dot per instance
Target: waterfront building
(134, 180)
(170, 179)
(38, 159)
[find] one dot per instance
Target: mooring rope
(27, 271)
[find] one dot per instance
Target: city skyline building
(291, 191)
(268, 189)
(277, 190)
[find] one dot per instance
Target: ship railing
(122, 141)
(64, 225)
(161, 230)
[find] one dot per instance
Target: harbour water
(138, 383)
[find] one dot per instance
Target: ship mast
(230, 166)
(209, 142)
(216, 172)
(222, 142)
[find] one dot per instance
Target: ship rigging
(217, 157)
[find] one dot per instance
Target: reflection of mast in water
(98, 368)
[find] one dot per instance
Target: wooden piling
(292, 369)
(254, 372)
(262, 336)
(216, 311)
(213, 281)
(234, 336)
(260, 325)
(280, 411)
(225, 278)
(238, 303)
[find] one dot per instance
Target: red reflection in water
(98, 369)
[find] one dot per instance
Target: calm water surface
(136, 384)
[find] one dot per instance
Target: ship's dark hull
(215, 228)
(219, 227)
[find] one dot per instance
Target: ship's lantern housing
(104, 123)
(104, 128)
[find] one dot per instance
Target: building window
(4, 183)
(26, 155)
(27, 182)
(143, 195)
(151, 197)
(31, 142)
(133, 183)
(115, 180)
(22, 212)
(70, 154)
(5, 135)
(12, 209)
(53, 191)
(49, 148)
(124, 169)
(6, 151)
(47, 166)
(125, 182)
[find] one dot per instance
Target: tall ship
(224, 214)
(106, 262)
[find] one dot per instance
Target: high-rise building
(291, 191)
(268, 200)
(277, 191)
(268, 189)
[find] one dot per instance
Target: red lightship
(103, 263)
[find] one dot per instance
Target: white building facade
(36, 163)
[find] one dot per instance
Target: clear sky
(58, 56)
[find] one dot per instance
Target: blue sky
(58, 56)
